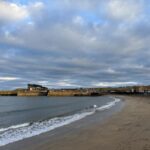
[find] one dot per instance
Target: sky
(74, 43)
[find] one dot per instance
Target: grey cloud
(58, 52)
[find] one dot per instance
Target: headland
(38, 90)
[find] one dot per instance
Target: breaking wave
(19, 132)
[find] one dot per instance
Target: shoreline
(32, 129)
(125, 130)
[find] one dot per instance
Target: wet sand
(128, 129)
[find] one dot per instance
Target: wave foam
(14, 127)
(26, 130)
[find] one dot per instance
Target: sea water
(24, 117)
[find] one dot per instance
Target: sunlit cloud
(114, 84)
(12, 12)
(8, 78)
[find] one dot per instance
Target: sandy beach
(128, 129)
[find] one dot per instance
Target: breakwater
(31, 93)
(70, 93)
(49, 93)
(8, 93)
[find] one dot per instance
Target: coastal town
(38, 90)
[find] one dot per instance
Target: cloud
(12, 12)
(72, 43)
(119, 9)
(35, 9)
(8, 78)
(114, 84)
(78, 20)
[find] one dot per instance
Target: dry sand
(126, 130)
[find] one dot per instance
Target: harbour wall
(49, 93)
(8, 93)
(31, 93)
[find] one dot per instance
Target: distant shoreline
(49, 93)
(38, 90)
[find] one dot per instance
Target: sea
(24, 117)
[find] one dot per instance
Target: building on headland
(33, 90)
(143, 90)
(36, 87)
